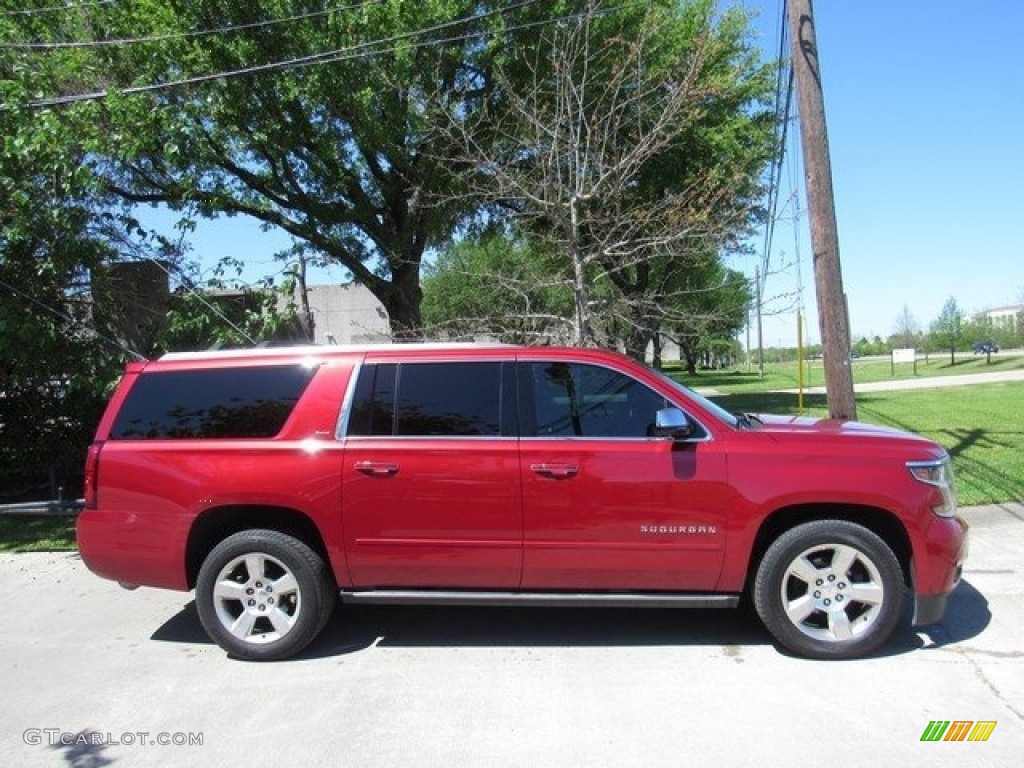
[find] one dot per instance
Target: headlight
(939, 473)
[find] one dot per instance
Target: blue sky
(925, 111)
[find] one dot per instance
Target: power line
(341, 54)
(68, 318)
(183, 35)
(191, 288)
(185, 280)
(773, 215)
(302, 61)
(781, 126)
(795, 194)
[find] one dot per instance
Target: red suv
(275, 481)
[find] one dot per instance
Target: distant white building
(1006, 318)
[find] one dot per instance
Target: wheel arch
(216, 524)
(881, 522)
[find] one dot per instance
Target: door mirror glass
(672, 422)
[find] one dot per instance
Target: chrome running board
(534, 599)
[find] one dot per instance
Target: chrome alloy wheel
(257, 598)
(832, 592)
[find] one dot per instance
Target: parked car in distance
(985, 348)
(275, 482)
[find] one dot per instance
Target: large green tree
(492, 285)
(947, 331)
(315, 117)
(54, 229)
(70, 312)
(707, 307)
(324, 120)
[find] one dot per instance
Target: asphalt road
(95, 676)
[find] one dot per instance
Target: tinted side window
(373, 407)
(428, 399)
(571, 400)
(222, 403)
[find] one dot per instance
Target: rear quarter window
(221, 403)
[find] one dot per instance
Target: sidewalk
(929, 382)
(1002, 510)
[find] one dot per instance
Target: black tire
(263, 595)
(829, 589)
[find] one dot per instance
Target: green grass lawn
(785, 375)
(24, 533)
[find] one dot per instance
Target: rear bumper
(133, 548)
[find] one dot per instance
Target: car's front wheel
(829, 589)
(263, 595)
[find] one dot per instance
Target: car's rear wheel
(829, 589)
(263, 595)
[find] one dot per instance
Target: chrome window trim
(341, 430)
(555, 438)
(574, 438)
(421, 438)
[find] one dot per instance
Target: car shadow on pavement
(355, 628)
(358, 627)
(183, 627)
(967, 616)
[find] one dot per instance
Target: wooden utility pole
(828, 276)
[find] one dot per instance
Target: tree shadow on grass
(715, 378)
(782, 403)
(964, 446)
(987, 475)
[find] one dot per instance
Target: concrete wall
(347, 314)
(130, 301)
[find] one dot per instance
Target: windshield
(709, 405)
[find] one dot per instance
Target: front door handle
(558, 471)
(376, 468)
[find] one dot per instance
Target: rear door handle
(558, 471)
(376, 468)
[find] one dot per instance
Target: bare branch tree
(907, 329)
(599, 159)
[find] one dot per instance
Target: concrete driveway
(95, 676)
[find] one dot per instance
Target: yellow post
(800, 363)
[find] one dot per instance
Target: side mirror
(671, 422)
